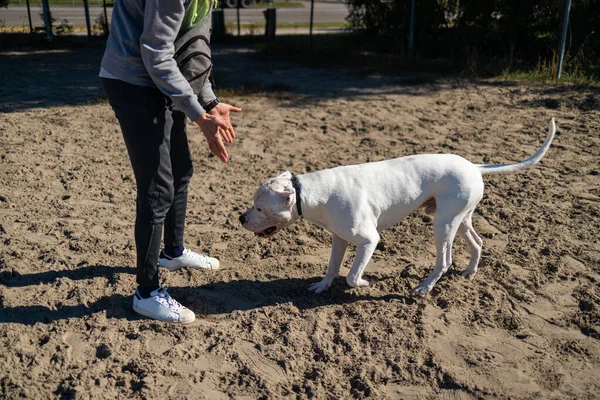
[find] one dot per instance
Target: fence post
(87, 18)
(106, 24)
(312, 14)
(563, 40)
(47, 19)
(29, 16)
(271, 23)
(238, 15)
(411, 29)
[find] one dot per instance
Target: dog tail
(509, 168)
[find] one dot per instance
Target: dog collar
(297, 187)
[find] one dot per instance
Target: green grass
(575, 71)
(278, 4)
(275, 4)
(232, 26)
(549, 77)
(62, 2)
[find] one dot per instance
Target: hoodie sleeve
(207, 95)
(162, 20)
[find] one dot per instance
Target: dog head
(273, 207)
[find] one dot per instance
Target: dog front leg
(363, 256)
(338, 249)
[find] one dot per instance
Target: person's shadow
(210, 299)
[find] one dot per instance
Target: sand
(527, 326)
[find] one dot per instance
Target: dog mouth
(270, 231)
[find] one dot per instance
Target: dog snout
(243, 218)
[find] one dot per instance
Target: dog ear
(286, 175)
(288, 196)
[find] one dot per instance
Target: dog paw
(468, 274)
(319, 287)
(360, 283)
(420, 291)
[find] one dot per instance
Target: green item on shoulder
(197, 11)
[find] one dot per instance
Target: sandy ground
(527, 326)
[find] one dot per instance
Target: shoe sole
(143, 312)
(169, 268)
(178, 268)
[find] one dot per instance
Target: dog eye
(258, 209)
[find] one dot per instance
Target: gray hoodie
(140, 50)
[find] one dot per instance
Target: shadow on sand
(211, 299)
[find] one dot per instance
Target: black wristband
(209, 106)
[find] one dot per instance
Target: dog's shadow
(211, 299)
(226, 297)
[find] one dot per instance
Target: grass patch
(61, 2)
(549, 77)
(574, 72)
(278, 4)
(232, 26)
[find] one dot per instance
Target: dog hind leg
(474, 242)
(445, 228)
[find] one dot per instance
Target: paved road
(324, 12)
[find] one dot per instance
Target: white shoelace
(166, 300)
(193, 254)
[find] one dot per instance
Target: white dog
(357, 202)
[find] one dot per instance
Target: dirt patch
(527, 326)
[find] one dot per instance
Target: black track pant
(157, 144)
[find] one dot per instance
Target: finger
(229, 134)
(235, 109)
(222, 150)
(218, 152)
(224, 134)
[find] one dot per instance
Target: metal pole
(29, 16)
(238, 15)
(87, 18)
(563, 40)
(107, 29)
(411, 29)
(312, 13)
(47, 21)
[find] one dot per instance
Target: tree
(517, 32)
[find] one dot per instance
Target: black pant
(157, 144)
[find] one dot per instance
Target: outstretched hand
(216, 126)
(211, 125)
(222, 110)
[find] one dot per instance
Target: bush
(100, 27)
(64, 28)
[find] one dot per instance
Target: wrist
(203, 118)
(211, 104)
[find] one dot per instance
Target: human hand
(222, 110)
(211, 126)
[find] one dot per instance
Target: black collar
(297, 188)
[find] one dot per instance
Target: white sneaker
(161, 306)
(187, 259)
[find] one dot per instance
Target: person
(155, 72)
